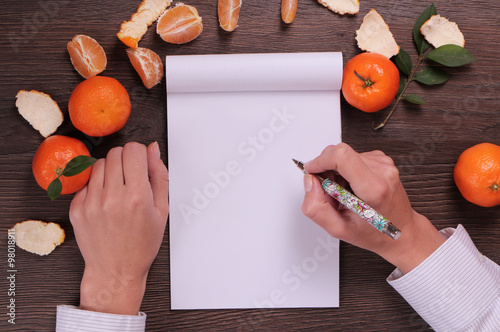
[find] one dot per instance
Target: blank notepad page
(238, 238)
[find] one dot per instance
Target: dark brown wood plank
(424, 141)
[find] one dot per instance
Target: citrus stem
(367, 81)
(400, 96)
(494, 186)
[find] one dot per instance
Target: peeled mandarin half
(87, 56)
(179, 24)
(147, 64)
(229, 12)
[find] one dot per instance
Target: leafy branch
(446, 55)
(75, 166)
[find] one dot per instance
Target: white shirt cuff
(454, 287)
(73, 319)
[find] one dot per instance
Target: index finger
(348, 163)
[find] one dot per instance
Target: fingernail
(307, 164)
(156, 150)
(308, 184)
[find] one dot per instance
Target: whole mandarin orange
(51, 158)
(370, 82)
(477, 174)
(99, 106)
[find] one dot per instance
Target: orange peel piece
(439, 31)
(37, 237)
(132, 31)
(40, 110)
(342, 7)
(374, 35)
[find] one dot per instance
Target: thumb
(158, 178)
(318, 207)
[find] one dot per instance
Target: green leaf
(451, 56)
(54, 189)
(77, 165)
(431, 76)
(420, 42)
(403, 61)
(414, 99)
(402, 83)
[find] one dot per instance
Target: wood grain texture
(425, 142)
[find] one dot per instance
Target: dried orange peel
(132, 31)
(374, 36)
(37, 237)
(342, 7)
(439, 31)
(40, 110)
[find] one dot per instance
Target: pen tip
(299, 164)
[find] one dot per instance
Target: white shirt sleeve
(72, 319)
(456, 288)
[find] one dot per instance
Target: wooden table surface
(425, 142)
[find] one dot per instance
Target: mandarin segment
(148, 65)
(132, 31)
(52, 156)
(288, 10)
(180, 24)
(99, 106)
(229, 12)
(87, 56)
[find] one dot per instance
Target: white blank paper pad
(238, 238)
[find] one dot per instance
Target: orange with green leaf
(62, 165)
